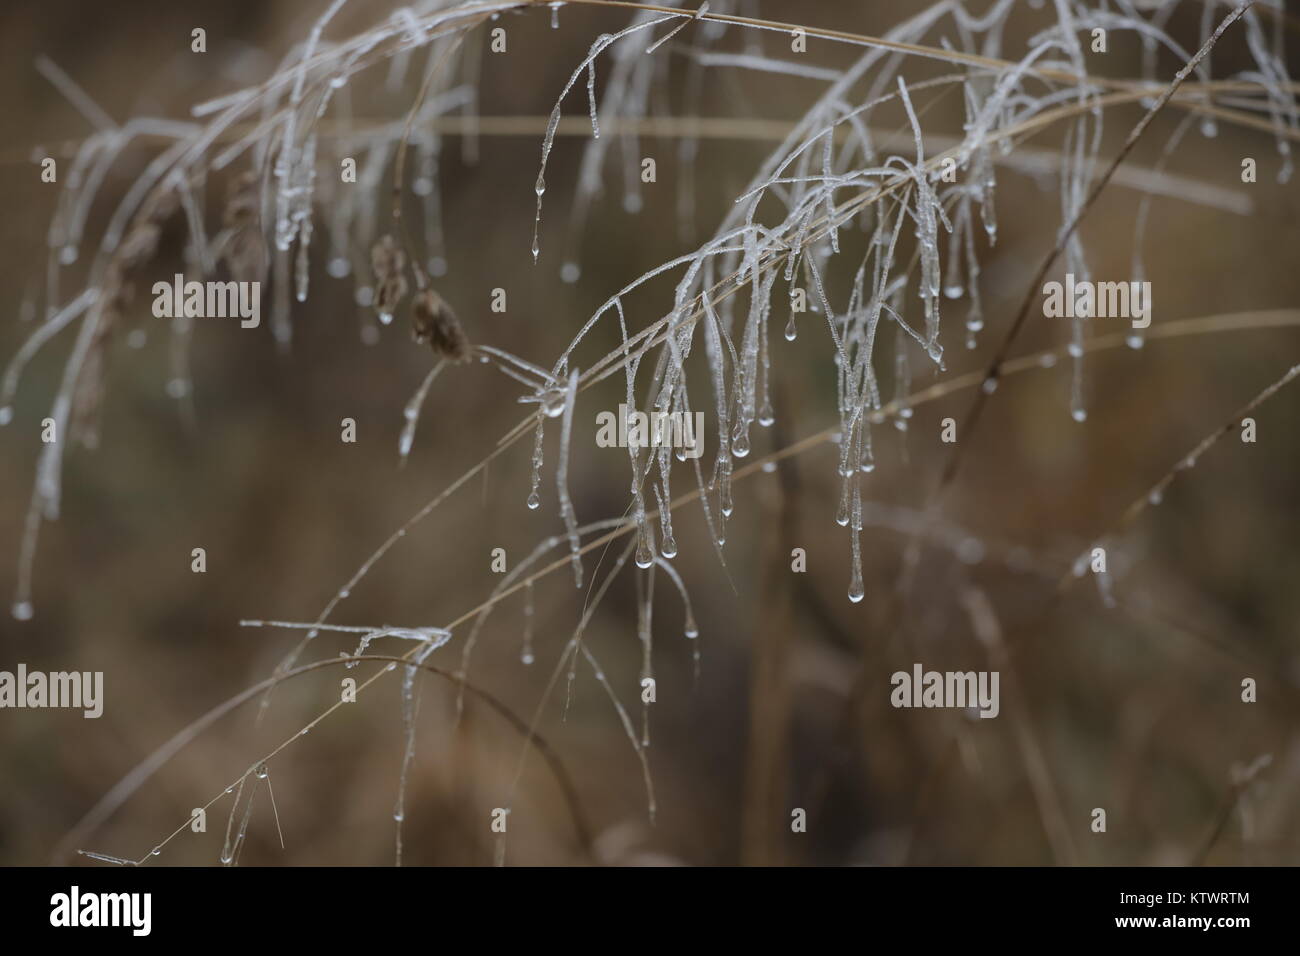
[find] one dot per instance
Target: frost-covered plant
(875, 222)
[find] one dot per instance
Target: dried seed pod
(433, 321)
(388, 259)
(244, 249)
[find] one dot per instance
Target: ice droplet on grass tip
(22, 610)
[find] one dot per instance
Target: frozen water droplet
(344, 593)
(6, 415)
(385, 318)
(527, 657)
(1135, 341)
(261, 772)
(22, 610)
(569, 272)
(769, 467)
(338, 267)
(1074, 350)
(1156, 496)
(338, 82)
(68, 255)
(953, 291)
(668, 547)
(534, 502)
(740, 445)
(178, 388)
(364, 296)
(632, 203)
(156, 851)
(691, 630)
(1079, 414)
(989, 385)
(790, 331)
(437, 266)
(645, 555)
(553, 401)
(1209, 128)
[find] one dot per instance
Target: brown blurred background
(1134, 709)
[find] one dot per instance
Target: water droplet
(569, 272)
(385, 318)
(989, 385)
(953, 291)
(740, 444)
(527, 657)
(261, 772)
(344, 593)
(1135, 341)
(1079, 414)
(1074, 350)
(668, 547)
(1156, 496)
(769, 467)
(22, 610)
(692, 631)
(339, 267)
(1209, 128)
(790, 331)
(68, 255)
(6, 415)
(534, 502)
(856, 592)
